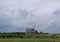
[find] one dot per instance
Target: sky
(17, 15)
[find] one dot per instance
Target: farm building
(30, 30)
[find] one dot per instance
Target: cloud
(16, 15)
(57, 12)
(54, 27)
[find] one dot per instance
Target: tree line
(24, 35)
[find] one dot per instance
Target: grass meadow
(29, 40)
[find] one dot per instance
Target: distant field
(28, 40)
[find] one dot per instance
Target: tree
(36, 32)
(41, 32)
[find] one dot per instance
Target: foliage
(28, 40)
(24, 35)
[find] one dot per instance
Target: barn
(30, 30)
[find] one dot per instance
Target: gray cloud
(16, 15)
(57, 12)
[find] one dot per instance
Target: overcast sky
(17, 15)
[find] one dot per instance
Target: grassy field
(28, 40)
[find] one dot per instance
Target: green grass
(28, 40)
